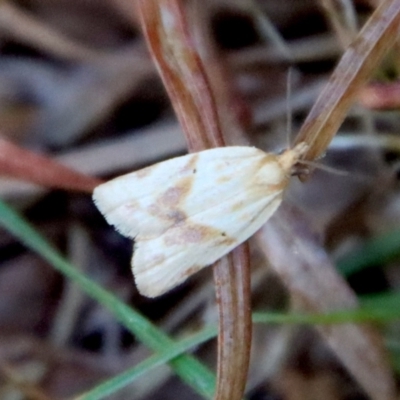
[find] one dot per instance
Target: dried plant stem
(22, 164)
(296, 256)
(186, 81)
(182, 72)
(356, 65)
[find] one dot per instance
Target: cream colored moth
(187, 212)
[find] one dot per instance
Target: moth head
(289, 158)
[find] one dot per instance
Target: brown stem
(19, 163)
(355, 66)
(184, 77)
(232, 279)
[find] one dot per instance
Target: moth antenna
(332, 170)
(325, 168)
(288, 107)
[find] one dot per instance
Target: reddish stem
(23, 164)
(184, 77)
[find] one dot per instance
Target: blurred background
(77, 84)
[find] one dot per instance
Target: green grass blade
(375, 309)
(114, 384)
(187, 367)
(379, 308)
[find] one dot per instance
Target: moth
(187, 212)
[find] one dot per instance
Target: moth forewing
(162, 263)
(126, 201)
(189, 211)
(144, 202)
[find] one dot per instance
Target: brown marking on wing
(223, 179)
(177, 216)
(142, 173)
(237, 206)
(191, 233)
(169, 204)
(171, 197)
(191, 165)
(174, 195)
